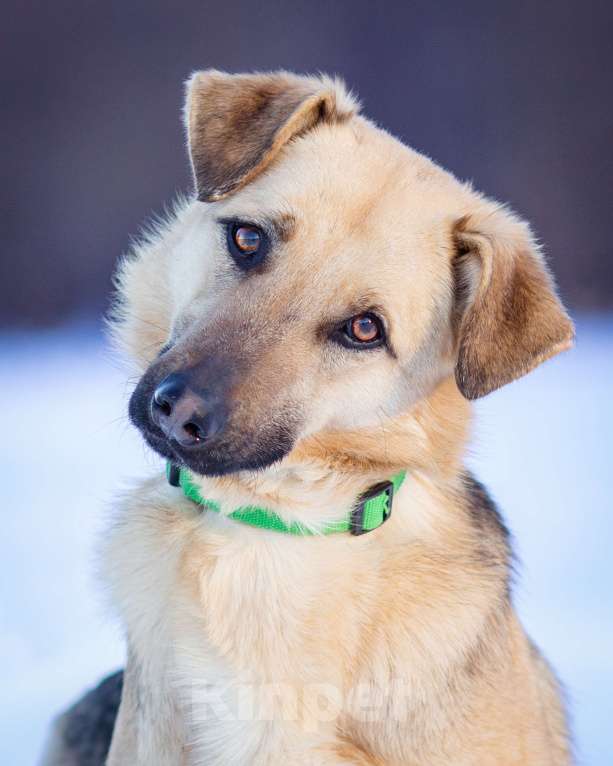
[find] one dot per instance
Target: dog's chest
(221, 627)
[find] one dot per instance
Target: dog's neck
(322, 477)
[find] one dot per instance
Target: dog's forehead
(352, 182)
(369, 221)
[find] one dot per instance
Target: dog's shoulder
(493, 543)
(483, 511)
(82, 735)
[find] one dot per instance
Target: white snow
(542, 445)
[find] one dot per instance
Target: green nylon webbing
(376, 510)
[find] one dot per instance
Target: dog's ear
(237, 124)
(508, 318)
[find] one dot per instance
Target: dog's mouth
(217, 459)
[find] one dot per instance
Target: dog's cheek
(277, 435)
(259, 410)
(355, 398)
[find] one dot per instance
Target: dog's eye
(364, 328)
(362, 331)
(247, 239)
(246, 243)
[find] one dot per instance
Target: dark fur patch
(494, 550)
(483, 510)
(84, 732)
(494, 556)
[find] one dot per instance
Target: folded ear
(508, 317)
(236, 124)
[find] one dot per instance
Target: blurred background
(515, 96)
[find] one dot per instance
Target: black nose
(183, 414)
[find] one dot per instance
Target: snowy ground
(543, 446)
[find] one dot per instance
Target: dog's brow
(284, 226)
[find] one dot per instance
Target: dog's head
(326, 277)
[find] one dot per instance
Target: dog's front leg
(147, 727)
(124, 744)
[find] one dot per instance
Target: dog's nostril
(193, 430)
(167, 394)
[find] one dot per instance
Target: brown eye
(247, 239)
(247, 244)
(364, 330)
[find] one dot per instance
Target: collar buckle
(173, 474)
(361, 522)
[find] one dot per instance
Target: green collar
(371, 509)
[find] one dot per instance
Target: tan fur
(397, 647)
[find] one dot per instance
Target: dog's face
(326, 278)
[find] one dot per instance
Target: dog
(318, 579)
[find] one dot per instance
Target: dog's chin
(218, 459)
